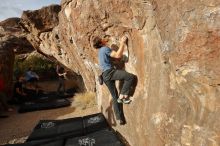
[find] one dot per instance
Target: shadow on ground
(17, 126)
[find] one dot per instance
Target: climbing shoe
(119, 100)
(122, 122)
(126, 100)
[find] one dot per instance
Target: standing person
(62, 75)
(110, 75)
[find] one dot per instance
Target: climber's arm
(119, 52)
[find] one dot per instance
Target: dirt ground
(17, 127)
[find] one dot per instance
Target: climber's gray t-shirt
(104, 58)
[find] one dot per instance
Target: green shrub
(39, 64)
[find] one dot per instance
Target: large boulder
(39, 21)
(6, 65)
(12, 34)
(173, 50)
(12, 41)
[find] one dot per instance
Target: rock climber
(110, 74)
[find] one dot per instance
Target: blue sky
(14, 8)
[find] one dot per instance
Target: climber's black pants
(114, 93)
(127, 78)
(109, 77)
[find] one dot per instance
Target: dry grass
(86, 99)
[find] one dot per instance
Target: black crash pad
(94, 123)
(40, 143)
(46, 129)
(43, 105)
(99, 138)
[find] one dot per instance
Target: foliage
(39, 64)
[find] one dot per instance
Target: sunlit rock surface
(174, 50)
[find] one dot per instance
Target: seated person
(19, 95)
(32, 77)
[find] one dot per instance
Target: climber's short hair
(97, 42)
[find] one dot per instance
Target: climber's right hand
(124, 39)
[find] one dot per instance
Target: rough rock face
(6, 66)
(12, 40)
(38, 22)
(11, 34)
(173, 49)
